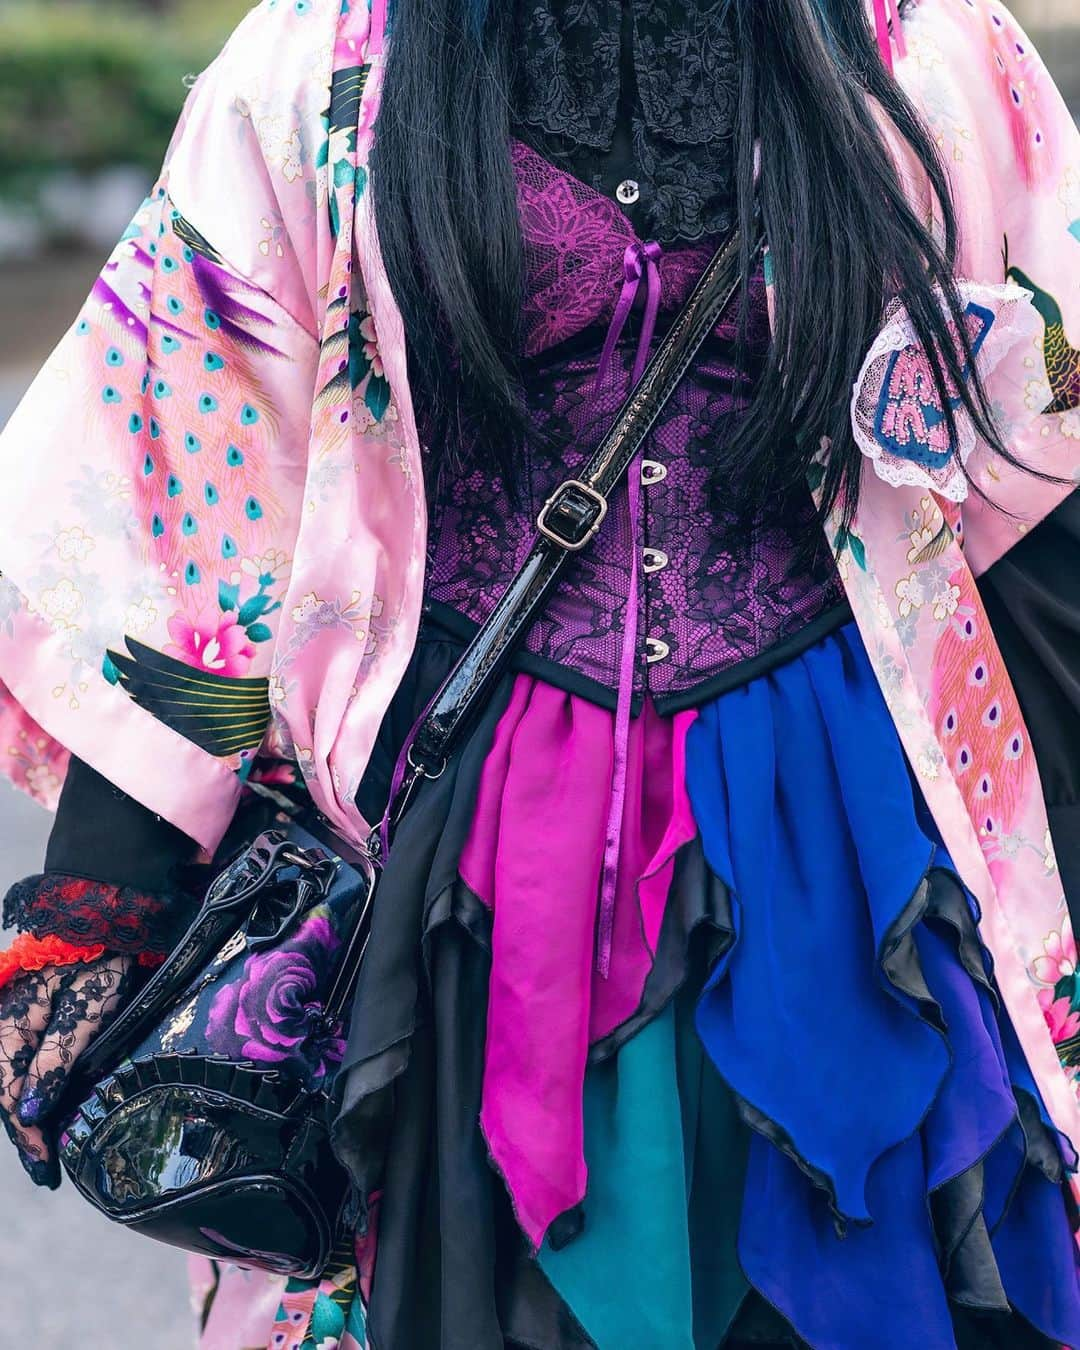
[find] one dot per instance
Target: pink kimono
(200, 470)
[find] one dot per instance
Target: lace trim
(675, 84)
(686, 68)
(89, 913)
(32, 953)
(897, 415)
(568, 78)
(29, 953)
(570, 72)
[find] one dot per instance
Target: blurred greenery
(87, 85)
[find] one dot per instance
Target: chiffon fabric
(330, 505)
(792, 1114)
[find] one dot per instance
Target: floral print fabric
(338, 459)
(910, 558)
(266, 1006)
(272, 1014)
(173, 358)
(238, 1307)
(896, 412)
(1058, 974)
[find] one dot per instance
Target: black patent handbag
(204, 1110)
(201, 1117)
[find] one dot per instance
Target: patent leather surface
(210, 1156)
(202, 1117)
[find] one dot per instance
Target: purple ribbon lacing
(640, 261)
(397, 779)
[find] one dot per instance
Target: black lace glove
(47, 1019)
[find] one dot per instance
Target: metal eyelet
(654, 560)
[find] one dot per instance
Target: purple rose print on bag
(273, 1015)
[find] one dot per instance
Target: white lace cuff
(896, 412)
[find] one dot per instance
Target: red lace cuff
(35, 953)
(85, 914)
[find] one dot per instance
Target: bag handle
(567, 523)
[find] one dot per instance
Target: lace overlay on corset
(713, 596)
(575, 239)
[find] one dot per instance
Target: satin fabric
(296, 249)
(1031, 598)
(535, 855)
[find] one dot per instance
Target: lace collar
(659, 75)
(570, 74)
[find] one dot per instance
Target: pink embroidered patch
(899, 419)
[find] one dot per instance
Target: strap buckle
(572, 515)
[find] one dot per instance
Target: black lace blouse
(638, 99)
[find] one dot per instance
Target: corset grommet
(656, 649)
(654, 559)
(628, 192)
(652, 471)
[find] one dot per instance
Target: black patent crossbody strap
(568, 522)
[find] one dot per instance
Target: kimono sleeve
(1012, 150)
(153, 474)
(1032, 599)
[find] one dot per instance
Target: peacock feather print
(977, 716)
(199, 416)
(1061, 357)
(222, 715)
(189, 349)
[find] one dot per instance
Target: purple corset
(712, 597)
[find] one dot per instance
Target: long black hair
(842, 234)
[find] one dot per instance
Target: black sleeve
(116, 875)
(1032, 597)
(104, 835)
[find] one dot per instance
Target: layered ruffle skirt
(793, 1111)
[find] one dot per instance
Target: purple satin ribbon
(397, 778)
(639, 261)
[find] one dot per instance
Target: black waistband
(441, 623)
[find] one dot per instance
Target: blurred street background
(89, 90)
